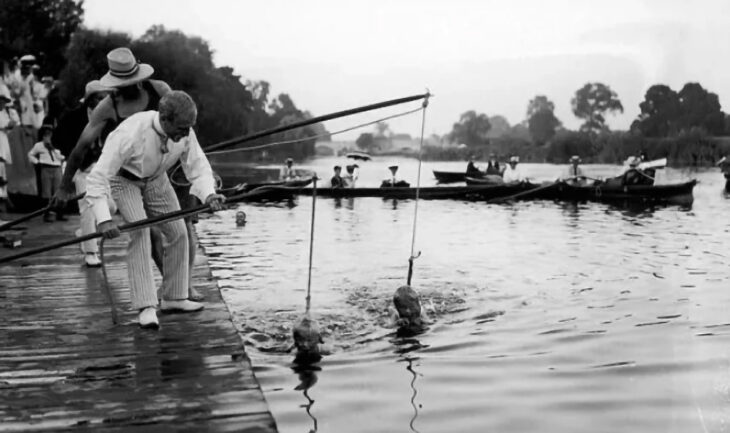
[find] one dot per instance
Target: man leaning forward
(133, 169)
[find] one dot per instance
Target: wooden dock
(65, 366)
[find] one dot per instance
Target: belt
(133, 177)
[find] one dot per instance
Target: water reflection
(415, 406)
(405, 347)
(307, 379)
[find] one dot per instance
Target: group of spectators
(29, 111)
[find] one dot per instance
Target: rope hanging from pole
(413, 255)
(311, 245)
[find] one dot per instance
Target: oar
(524, 193)
(148, 222)
(34, 214)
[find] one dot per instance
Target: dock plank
(65, 366)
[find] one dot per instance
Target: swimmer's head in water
(307, 338)
(408, 305)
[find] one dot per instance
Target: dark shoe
(194, 295)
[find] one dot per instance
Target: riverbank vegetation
(687, 127)
(229, 105)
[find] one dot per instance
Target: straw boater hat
(124, 69)
(514, 159)
(575, 158)
(393, 167)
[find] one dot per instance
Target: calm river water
(545, 316)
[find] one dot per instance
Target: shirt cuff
(202, 188)
(100, 207)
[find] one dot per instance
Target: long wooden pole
(289, 127)
(147, 222)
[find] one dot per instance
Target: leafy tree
(500, 126)
(541, 120)
(381, 128)
(539, 103)
(86, 55)
(700, 108)
(366, 142)
(39, 27)
(471, 129)
(660, 111)
(591, 102)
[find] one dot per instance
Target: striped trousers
(138, 200)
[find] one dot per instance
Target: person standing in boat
(393, 181)
(337, 181)
(493, 167)
(287, 172)
(45, 155)
(513, 173)
(133, 168)
(351, 176)
(574, 175)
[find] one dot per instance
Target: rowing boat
(477, 192)
(606, 192)
(449, 176)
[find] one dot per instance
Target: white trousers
(88, 219)
(138, 200)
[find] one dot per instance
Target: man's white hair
(177, 106)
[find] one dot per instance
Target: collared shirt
(573, 171)
(46, 155)
(513, 174)
(287, 173)
(139, 146)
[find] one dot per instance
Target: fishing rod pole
(148, 222)
(307, 122)
(34, 214)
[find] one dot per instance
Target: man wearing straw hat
(134, 164)
(134, 91)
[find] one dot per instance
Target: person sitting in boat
(393, 181)
(287, 172)
(337, 181)
(493, 167)
(351, 176)
(574, 175)
(634, 175)
(472, 170)
(513, 173)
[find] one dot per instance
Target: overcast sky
(489, 56)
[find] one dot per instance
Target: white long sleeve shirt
(511, 175)
(137, 146)
(41, 154)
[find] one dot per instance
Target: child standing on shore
(50, 160)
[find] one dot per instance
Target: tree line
(685, 126)
(227, 106)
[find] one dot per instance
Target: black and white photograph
(376, 216)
